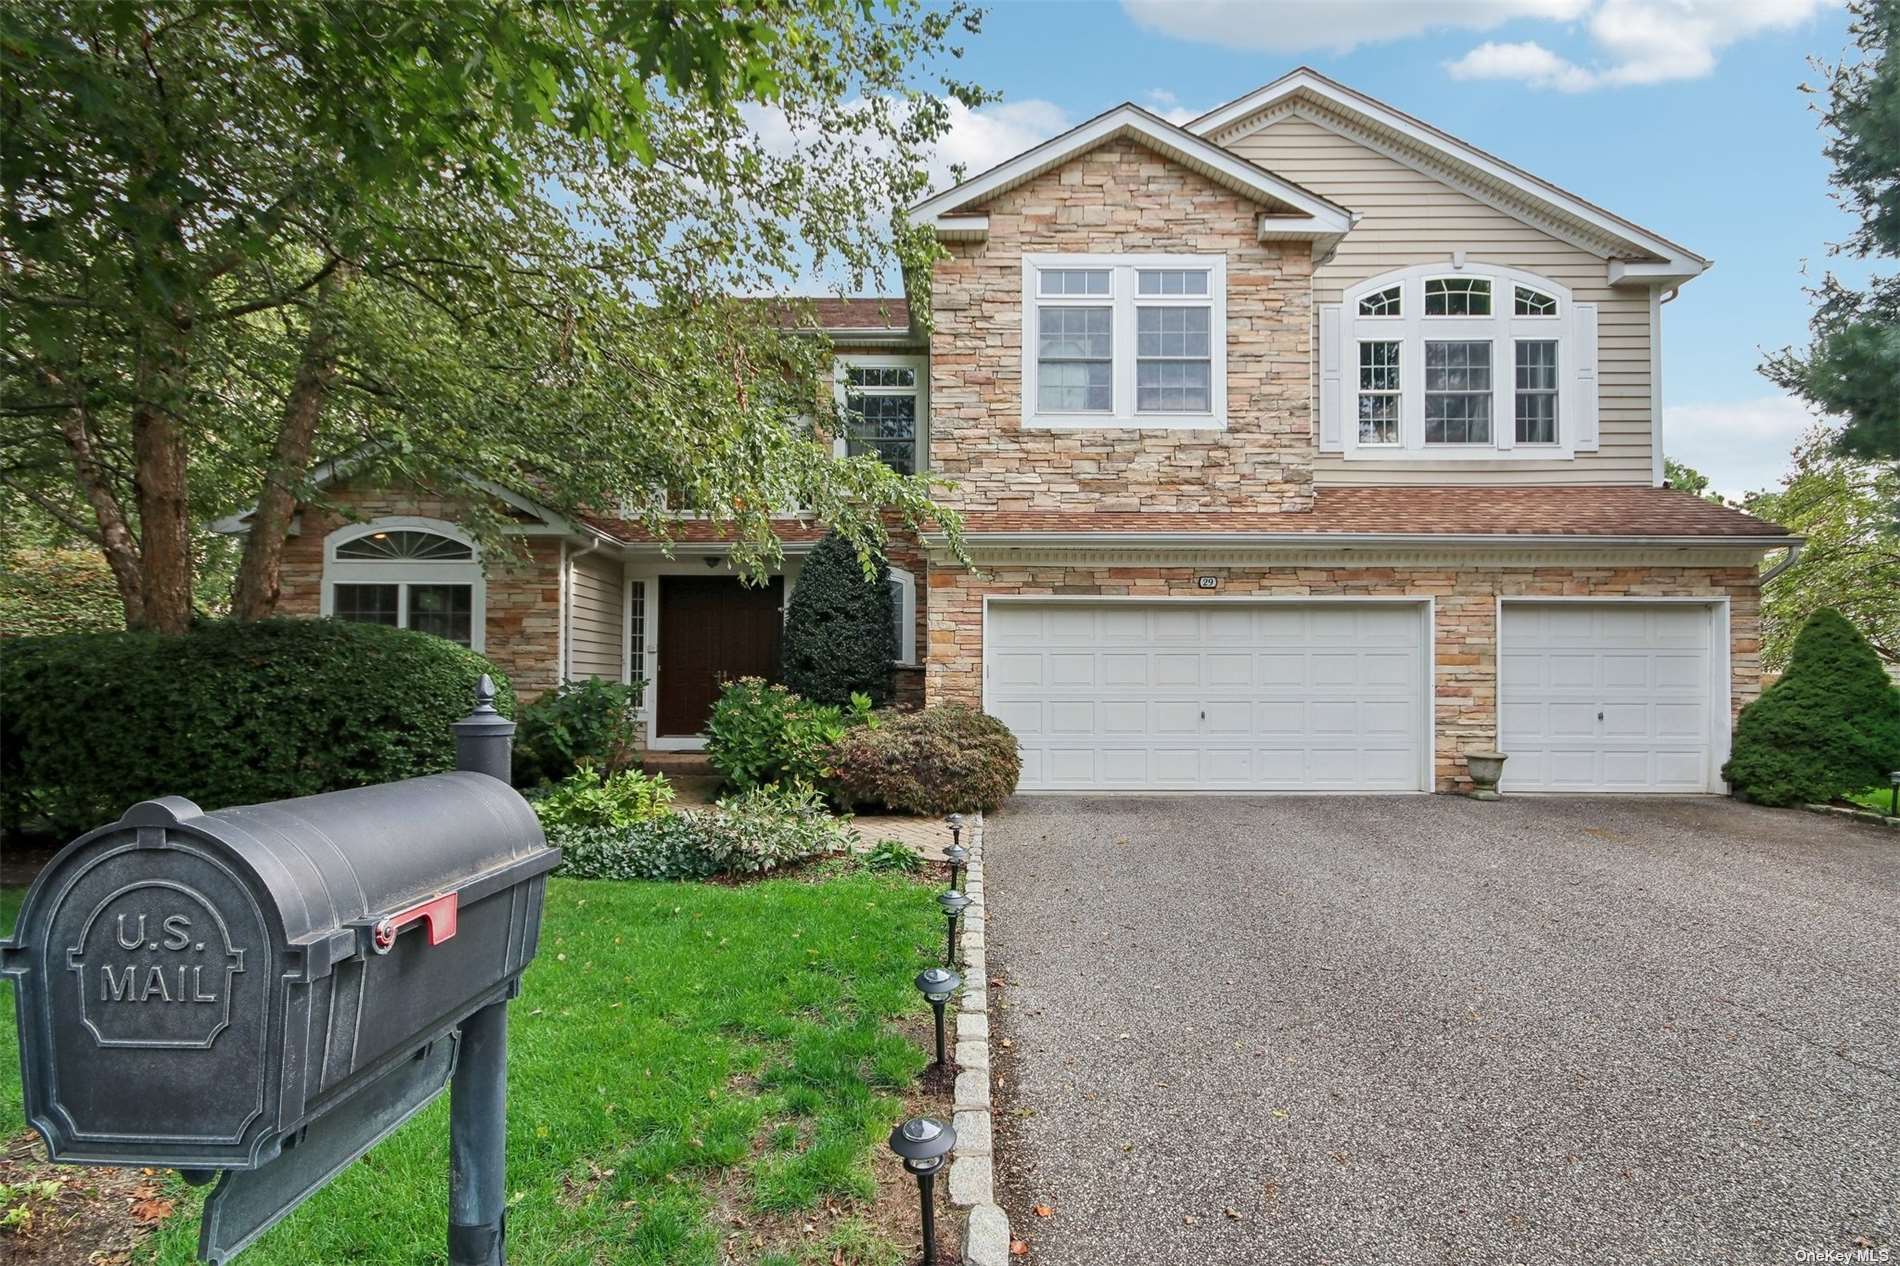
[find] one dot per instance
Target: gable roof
(1291, 211)
(1636, 253)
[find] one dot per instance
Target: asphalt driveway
(1427, 1030)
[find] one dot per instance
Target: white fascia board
(1679, 262)
(1323, 540)
(1623, 272)
(939, 210)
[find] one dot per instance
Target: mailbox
(274, 987)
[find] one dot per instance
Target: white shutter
(1331, 389)
(1584, 340)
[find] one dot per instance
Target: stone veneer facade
(1465, 707)
(523, 625)
(1121, 198)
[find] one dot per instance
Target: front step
(677, 764)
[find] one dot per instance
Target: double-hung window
(1439, 362)
(883, 403)
(1124, 341)
(406, 573)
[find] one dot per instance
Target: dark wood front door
(712, 629)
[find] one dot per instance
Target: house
(1304, 447)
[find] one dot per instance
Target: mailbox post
(260, 994)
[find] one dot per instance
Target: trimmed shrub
(839, 628)
(1831, 725)
(747, 834)
(577, 723)
(947, 759)
(227, 714)
(584, 799)
(762, 734)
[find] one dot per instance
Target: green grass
(674, 1045)
(12, 1118)
(1876, 798)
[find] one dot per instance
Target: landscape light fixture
(922, 1143)
(937, 984)
(952, 903)
(956, 854)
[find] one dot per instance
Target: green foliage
(1845, 510)
(839, 635)
(227, 714)
(894, 855)
(760, 734)
(947, 759)
(746, 834)
(1831, 724)
(577, 723)
(48, 591)
(1690, 480)
(583, 799)
(1853, 362)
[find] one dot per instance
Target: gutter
(1787, 560)
(1309, 540)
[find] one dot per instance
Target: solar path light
(952, 903)
(922, 1143)
(937, 984)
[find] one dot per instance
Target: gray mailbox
(268, 990)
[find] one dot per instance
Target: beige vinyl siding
(1408, 218)
(595, 610)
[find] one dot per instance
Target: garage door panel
(1607, 697)
(1232, 696)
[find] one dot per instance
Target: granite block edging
(972, 1169)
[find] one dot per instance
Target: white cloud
(1742, 445)
(1164, 103)
(981, 138)
(1639, 42)
(1297, 26)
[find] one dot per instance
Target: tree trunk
(259, 578)
(115, 538)
(159, 451)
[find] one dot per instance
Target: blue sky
(1682, 115)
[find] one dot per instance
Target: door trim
(1721, 681)
(651, 571)
(1426, 605)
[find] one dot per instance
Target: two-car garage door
(1183, 696)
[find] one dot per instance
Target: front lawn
(1879, 799)
(691, 1064)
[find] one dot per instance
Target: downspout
(1787, 561)
(567, 606)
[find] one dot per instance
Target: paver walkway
(1424, 1030)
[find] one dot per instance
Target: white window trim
(907, 617)
(1503, 329)
(1122, 298)
(840, 387)
(406, 572)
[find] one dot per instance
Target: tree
(1831, 725)
(1845, 509)
(1852, 366)
(454, 241)
(840, 634)
(1690, 480)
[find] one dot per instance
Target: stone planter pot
(1486, 768)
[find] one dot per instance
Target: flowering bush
(762, 734)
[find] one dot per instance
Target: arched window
(408, 573)
(1458, 360)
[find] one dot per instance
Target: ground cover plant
(681, 1055)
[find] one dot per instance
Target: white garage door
(1181, 696)
(1611, 696)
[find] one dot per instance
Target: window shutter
(1331, 388)
(1588, 389)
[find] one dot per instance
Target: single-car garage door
(1609, 696)
(1229, 696)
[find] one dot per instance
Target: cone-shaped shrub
(1830, 725)
(839, 630)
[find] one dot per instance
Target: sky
(1686, 116)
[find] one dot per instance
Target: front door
(712, 629)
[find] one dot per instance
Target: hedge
(946, 759)
(227, 714)
(1830, 726)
